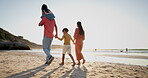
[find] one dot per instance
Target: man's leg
(46, 47)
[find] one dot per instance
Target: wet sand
(28, 65)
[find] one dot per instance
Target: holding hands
(56, 36)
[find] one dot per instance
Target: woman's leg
(81, 47)
(78, 53)
(78, 62)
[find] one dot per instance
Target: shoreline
(25, 64)
(123, 56)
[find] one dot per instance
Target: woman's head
(81, 31)
(45, 8)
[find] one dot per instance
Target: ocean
(132, 57)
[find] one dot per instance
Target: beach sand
(28, 65)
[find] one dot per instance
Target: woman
(79, 36)
(49, 25)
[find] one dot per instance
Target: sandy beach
(28, 65)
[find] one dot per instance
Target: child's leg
(72, 59)
(63, 57)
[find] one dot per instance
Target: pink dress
(79, 44)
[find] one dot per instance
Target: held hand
(56, 36)
(73, 42)
(40, 24)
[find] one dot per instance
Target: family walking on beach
(49, 24)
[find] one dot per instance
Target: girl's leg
(72, 59)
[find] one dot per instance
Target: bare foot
(73, 64)
(61, 64)
(83, 61)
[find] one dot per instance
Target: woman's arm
(76, 33)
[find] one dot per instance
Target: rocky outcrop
(9, 41)
(13, 46)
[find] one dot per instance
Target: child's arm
(72, 40)
(60, 38)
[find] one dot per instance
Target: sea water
(93, 56)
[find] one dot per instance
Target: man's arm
(56, 29)
(42, 22)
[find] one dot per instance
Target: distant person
(126, 49)
(66, 46)
(79, 36)
(49, 24)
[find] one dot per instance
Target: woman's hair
(45, 8)
(81, 31)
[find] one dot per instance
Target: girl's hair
(45, 8)
(81, 31)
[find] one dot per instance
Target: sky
(108, 24)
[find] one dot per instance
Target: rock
(21, 37)
(9, 41)
(13, 46)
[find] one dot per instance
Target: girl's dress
(79, 44)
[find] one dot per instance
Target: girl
(49, 25)
(79, 36)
